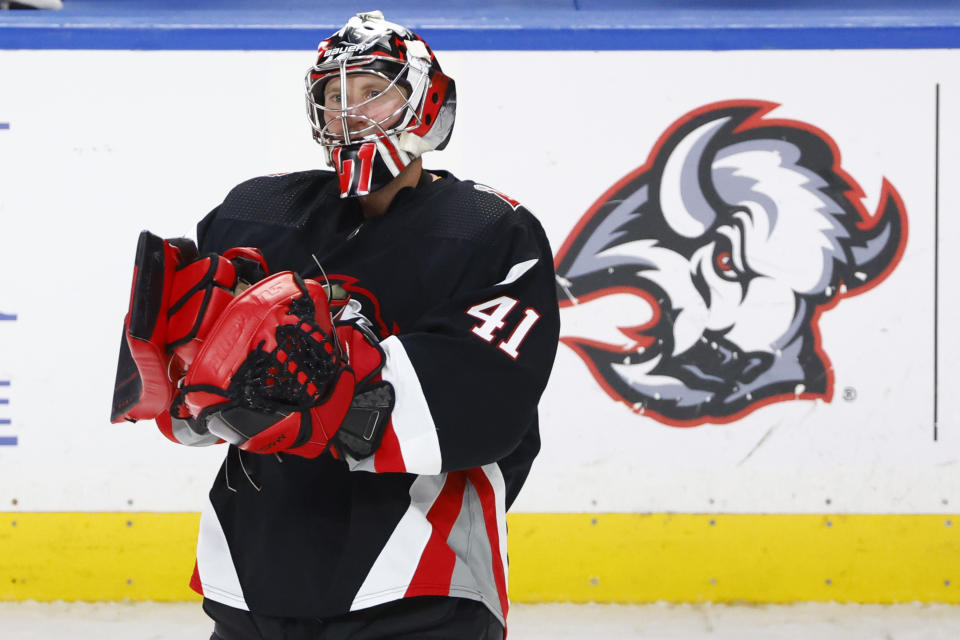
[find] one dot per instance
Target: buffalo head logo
(693, 287)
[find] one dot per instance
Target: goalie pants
(420, 618)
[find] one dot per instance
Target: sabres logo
(360, 304)
(693, 287)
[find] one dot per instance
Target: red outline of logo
(854, 194)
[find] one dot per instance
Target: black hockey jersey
(458, 280)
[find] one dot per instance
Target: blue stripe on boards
(8, 441)
(546, 25)
(520, 39)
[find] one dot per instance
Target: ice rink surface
(183, 621)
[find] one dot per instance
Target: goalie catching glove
(174, 300)
(274, 374)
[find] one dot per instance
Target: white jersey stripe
(218, 575)
(516, 271)
(412, 421)
(391, 573)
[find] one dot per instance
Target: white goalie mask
(377, 100)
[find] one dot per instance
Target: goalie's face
(369, 105)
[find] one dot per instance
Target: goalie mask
(377, 100)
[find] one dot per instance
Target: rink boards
(842, 487)
(554, 557)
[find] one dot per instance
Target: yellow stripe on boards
(607, 557)
(97, 556)
(734, 558)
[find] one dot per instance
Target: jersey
(457, 280)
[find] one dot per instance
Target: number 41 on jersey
(493, 314)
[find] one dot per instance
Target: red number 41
(493, 314)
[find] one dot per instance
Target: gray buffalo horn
(877, 247)
(684, 206)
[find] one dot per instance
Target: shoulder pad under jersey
(470, 211)
(282, 199)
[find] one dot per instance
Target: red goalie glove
(174, 299)
(273, 374)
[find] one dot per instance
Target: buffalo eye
(723, 260)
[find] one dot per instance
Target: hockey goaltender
(371, 344)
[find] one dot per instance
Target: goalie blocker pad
(175, 297)
(143, 388)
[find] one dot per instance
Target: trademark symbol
(849, 394)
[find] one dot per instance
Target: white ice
(826, 621)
